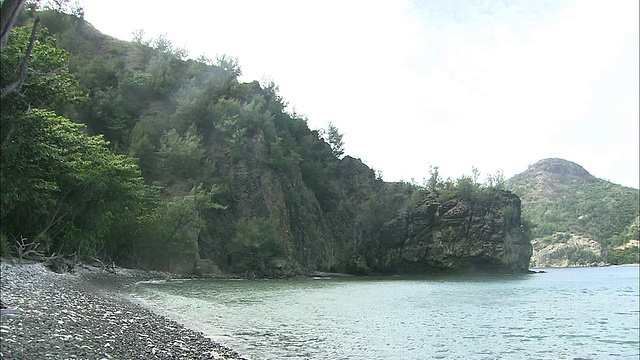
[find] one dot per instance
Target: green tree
(334, 138)
(496, 180)
(255, 243)
(171, 232)
(283, 158)
(434, 183)
(181, 156)
(145, 141)
(61, 185)
(34, 74)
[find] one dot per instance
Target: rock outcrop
(450, 236)
(356, 223)
(572, 252)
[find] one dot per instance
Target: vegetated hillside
(174, 164)
(579, 218)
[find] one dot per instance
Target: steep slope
(580, 219)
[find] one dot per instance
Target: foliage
(171, 231)
(61, 185)
(145, 140)
(465, 187)
(255, 243)
(596, 209)
(5, 246)
(511, 215)
(64, 7)
(528, 227)
(629, 255)
(563, 198)
(181, 156)
(626, 235)
(398, 197)
(334, 137)
(579, 256)
(47, 82)
(394, 199)
(496, 181)
(434, 183)
(316, 167)
(282, 157)
(557, 238)
(60, 188)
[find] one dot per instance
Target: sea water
(573, 313)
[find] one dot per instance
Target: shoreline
(87, 315)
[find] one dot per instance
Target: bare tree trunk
(7, 137)
(8, 16)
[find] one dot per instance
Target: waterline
(589, 313)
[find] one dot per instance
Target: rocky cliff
(358, 224)
(450, 236)
(367, 226)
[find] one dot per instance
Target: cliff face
(257, 191)
(369, 227)
(451, 236)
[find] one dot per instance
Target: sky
(495, 85)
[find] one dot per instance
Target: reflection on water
(588, 313)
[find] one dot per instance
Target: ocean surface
(574, 313)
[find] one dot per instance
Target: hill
(143, 157)
(579, 218)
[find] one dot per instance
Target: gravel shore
(82, 316)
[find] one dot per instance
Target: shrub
(625, 256)
(5, 246)
(255, 242)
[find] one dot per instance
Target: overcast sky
(497, 85)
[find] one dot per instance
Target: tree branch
(56, 217)
(25, 64)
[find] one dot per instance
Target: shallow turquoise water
(586, 313)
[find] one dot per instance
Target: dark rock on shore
(79, 316)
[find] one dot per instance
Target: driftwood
(106, 267)
(62, 264)
(27, 250)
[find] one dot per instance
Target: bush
(5, 246)
(255, 242)
(626, 256)
(580, 256)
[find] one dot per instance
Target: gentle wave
(565, 313)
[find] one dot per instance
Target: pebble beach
(84, 315)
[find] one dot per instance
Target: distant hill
(580, 219)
